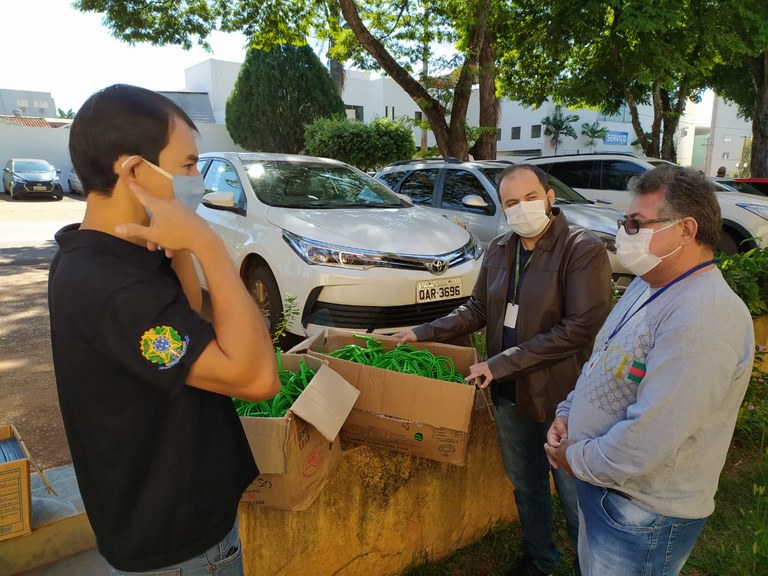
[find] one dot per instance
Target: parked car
(733, 185)
(604, 178)
(31, 177)
(758, 183)
(466, 192)
(353, 254)
(73, 183)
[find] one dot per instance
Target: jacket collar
(558, 227)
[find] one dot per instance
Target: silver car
(465, 192)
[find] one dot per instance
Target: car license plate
(38, 187)
(440, 289)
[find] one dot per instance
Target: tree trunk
(485, 147)
(337, 75)
(451, 140)
(635, 116)
(759, 154)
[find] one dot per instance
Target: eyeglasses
(632, 227)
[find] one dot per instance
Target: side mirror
(219, 200)
(405, 198)
(57, 171)
(7, 170)
(474, 201)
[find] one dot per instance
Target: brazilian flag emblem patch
(164, 346)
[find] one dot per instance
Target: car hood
(392, 230)
(596, 218)
(740, 197)
(40, 176)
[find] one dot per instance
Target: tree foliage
(396, 36)
(278, 92)
(609, 52)
(559, 124)
(69, 114)
(593, 132)
(366, 146)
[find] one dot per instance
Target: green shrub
(747, 275)
(366, 146)
(752, 423)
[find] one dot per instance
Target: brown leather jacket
(564, 299)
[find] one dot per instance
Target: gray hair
(686, 194)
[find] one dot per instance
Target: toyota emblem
(437, 266)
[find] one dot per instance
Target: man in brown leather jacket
(542, 294)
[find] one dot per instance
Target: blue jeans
(522, 450)
(222, 559)
(619, 537)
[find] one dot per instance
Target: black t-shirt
(509, 335)
(161, 465)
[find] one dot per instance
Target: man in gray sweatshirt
(647, 428)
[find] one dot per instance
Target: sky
(48, 46)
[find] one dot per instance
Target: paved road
(27, 387)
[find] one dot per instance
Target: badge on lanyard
(510, 317)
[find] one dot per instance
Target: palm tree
(559, 124)
(593, 132)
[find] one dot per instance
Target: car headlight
(323, 254)
(608, 240)
(473, 248)
(756, 209)
(56, 180)
(18, 179)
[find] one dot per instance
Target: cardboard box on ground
(403, 412)
(15, 490)
(296, 453)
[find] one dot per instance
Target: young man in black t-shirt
(144, 382)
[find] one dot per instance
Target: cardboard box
(297, 452)
(402, 412)
(15, 492)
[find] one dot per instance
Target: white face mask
(528, 219)
(189, 190)
(633, 251)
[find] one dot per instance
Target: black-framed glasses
(632, 226)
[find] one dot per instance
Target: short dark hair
(118, 120)
(686, 193)
(538, 172)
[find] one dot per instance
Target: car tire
(58, 197)
(727, 244)
(262, 287)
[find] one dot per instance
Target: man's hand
(405, 336)
(558, 431)
(556, 456)
(480, 370)
(172, 226)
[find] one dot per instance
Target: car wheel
(265, 293)
(58, 197)
(727, 244)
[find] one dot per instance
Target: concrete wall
(52, 144)
(381, 511)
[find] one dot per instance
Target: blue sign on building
(616, 138)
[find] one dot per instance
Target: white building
(709, 134)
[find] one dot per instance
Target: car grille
(378, 317)
(434, 264)
(38, 186)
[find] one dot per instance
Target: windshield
(742, 187)
(563, 194)
(316, 185)
(32, 166)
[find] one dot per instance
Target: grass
(734, 541)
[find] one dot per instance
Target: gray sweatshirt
(654, 409)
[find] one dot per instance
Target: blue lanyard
(655, 295)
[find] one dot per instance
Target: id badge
(510, 317)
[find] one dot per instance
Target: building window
(498, 134)
(417, 116)
(726, 155)
(727, 139)
(355, 112)
(536, 131)
(515, 133)
(386, 111)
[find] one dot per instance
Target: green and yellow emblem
(163, 345)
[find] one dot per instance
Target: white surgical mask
(528, 219)
(189, 190)
(633, 251)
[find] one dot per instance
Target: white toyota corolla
(353, 254)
